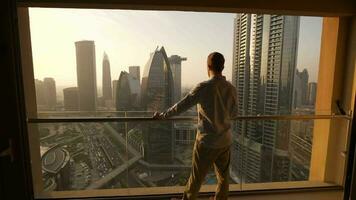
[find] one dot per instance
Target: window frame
(334, 58)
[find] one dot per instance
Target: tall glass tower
(157, 95)
(107, 90)
(265, 48)
(176, 67)
(127, 92)
(86, 75)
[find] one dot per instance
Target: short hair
(216, 62)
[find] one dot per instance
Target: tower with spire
(107, 90)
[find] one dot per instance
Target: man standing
(216, 102)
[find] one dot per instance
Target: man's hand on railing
(158, 115)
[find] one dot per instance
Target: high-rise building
(127, 93)
(281, 62)
(301, 137)
(46, 96)
(107, 90)
(86, 75)
(250, 95)
(157, 95)
(184, 133)
(114, 84)
(176, 67)
(157, 82)
(70, 98)
(184, 138)
(300, 94)
(264, 63)
(40, 93)
(312, 86)
(50, 92)
(134, 71)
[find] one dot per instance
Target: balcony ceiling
(292, 7)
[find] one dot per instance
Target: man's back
(216, 100)
(216, 107)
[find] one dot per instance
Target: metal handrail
(183, 118)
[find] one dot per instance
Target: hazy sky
(128, 37)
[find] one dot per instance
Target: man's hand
(158, 115)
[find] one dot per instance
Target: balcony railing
(54, 119)
(119, 154)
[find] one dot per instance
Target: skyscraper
(70, 98)
(246, 78)
(107, 90)
(312, 93)
(301, 136)
(40, 93)
(50, 92)
(265, 49)
(157, 95)
(176, 67)
(86, 75)
(114, 84)
(46, 96)
(300, 94)
(134, 71)
(127, 92)
(157, 82)
(281, 68)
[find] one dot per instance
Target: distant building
(114, 84)
(40, 93)
(184, 132)
(50, 92)
(107, 90)
(134, 71)
(157, 82)
(135, 139)
(127, 93)
(312, 86)
(86, 75)
(46, 96)
(56, 163)
(70, 98)
(248, 160)
(301, 145)
(157, 95)
(300, 94)
(176, 67)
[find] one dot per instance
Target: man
(216, 101)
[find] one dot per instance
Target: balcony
(107, 154)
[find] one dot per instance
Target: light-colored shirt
(216, 102)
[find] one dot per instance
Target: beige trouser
(203, 159)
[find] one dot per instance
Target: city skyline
(122, 155)
(128, 40)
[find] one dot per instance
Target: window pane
(131, 63)
(284, 153)
(79, 156)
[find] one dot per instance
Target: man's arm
(191, 99)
